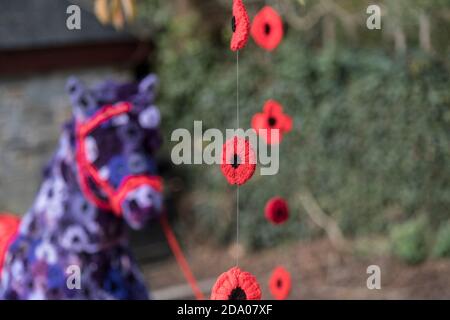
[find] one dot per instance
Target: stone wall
(32, 110)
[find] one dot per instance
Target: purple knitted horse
(102, 176)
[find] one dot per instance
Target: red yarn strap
(179, 256)
(9, 225)
(131, 183)
(85, 168)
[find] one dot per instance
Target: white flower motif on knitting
(150, 118)
(104, 173)
(91, 149)
(120, 120)
(74, 238)
(46, 252)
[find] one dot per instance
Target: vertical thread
(237, 187)
(237, 226)
(237, 89)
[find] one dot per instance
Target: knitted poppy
(280, 283)
(276, 210)
(8, 229)
(267, 28)
(236, 284)
(238, 160)
(271, 118)
(240, 24)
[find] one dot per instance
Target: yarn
(236, 284)
(238, 160)
(276, 210)
(8, 228)
(267, 28)
(105, 160)
(89, 172)
(280, 283)
(240, 25)
(272, 118)
(179, 256)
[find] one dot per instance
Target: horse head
(116, 136)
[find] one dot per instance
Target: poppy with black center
(280, 283)
(267, 28)
(272, 118)
(240, 25)
(238, 160)
(236, 284)
(276, 210)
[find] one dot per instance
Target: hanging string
(179, 256)
(237, 89)
(237, 186)
(237, 226)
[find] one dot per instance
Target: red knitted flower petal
(240, 25)
(270, 119)
(236, 284)
(280, 283)
(267, 28)
(259, 121)
(273, 108)
(8, 229)
(286, 123)
(276, 210)
(238, 160)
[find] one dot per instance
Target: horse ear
(148, 85)
(83, 101)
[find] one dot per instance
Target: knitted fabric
(276, 210)
(272, 118)
(101, 178)
(240, 25)
(8, 230)
(238, 160)
(267, 28)
(236, 284)
(280, 283)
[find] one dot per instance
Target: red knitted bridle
(115, 196)
(87, 170)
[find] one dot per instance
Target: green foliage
(409, 240)
(371, 132)
(442, 244)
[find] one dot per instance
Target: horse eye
(83, 101)
(84, 207)
(131, 132)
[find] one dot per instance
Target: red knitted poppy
(276, 210)
(280, 283)
(236, 284)
(240, 24)
(238, 160)
(8, 229)
(267, 28)
(272, 118)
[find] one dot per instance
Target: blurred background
(365, 170)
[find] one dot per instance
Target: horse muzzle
(138, 199)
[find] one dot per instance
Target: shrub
(370, 129)
(409, 240)
(442, 243)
